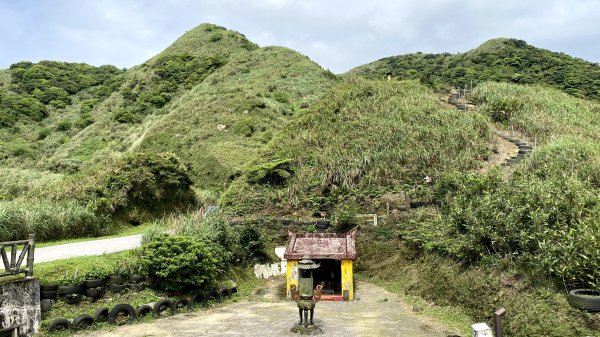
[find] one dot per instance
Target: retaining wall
(20, 306)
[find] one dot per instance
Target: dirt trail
(503, 151)
(375, 313)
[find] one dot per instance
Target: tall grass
(542, 113)
(48, 220)
(364, 137)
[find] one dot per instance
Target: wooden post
(375, 220)
(30, 256)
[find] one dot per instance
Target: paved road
(376, 313)
(94, 247)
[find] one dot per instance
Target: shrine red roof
(337, 246)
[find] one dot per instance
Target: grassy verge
(54, 271)
(459, 294)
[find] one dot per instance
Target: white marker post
(482, 330)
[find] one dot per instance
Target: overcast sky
(338, 35)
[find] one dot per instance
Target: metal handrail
(13, 266)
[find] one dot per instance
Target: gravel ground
(377, 312)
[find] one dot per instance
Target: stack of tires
(94, 289)
(48, 294)
(125, 313)
(70, 294)
(115, 283)
(524, 150)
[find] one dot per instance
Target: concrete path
(94, 247)
(376, 313)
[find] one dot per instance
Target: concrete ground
(377, 312)
(94, 247)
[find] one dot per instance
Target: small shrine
(333, 252)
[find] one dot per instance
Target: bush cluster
(544, 215)
(178, 263)
(501, 60)
(171, 73)
(204, 245)
(49, 220)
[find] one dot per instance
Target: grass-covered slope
(150, 91)
(103, 153)
(503, 60)
(541, 113)
(362, 139)
(222, 123)
(546, 213)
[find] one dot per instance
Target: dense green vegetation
(86, 204)
(265, 132)
(361, 140)
(501, 60)
(222, 123)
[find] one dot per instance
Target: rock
(221, 127)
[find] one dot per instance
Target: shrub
(251, 242)
(64, 125)
(281, 97)
(48, 220)
(178, 263)
(344, 218)
(43, 133)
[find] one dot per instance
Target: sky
(337, 34)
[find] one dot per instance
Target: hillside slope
(222, 123)
(361, 140)
(503, 60)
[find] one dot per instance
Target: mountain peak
(209, 39)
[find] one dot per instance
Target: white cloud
(337, 34)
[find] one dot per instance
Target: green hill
(501, 60)
(361, 140)
(213, 98)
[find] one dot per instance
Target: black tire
(116, 288)
(73, 298)
(101, 315)
(48, 287)
(323, 224)
(93, 283)
(59, 324)
(46, 304)
(162, 306)
(181, 304)
(48, 294)
(199, 300)
(137, 278)
(115, 279)
(143, 310)
(136, 286)
(226, 292)
(95, 293)
(233, 290)
(69, 290)
(116, 315)
(216, 295)
(585, 299)
(82, 322)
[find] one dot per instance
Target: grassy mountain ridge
(222, 123)
(502, 60)
(174, 102)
